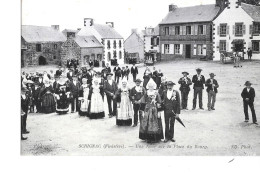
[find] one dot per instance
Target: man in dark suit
(134, 72)
(91, 63)
(106, 71)
(110, 88)
(55, 83)
(185, 83)
(24, 110)
(37, 101)
(136, 95)
(74, 87)
(248, 95)
(123, 72)
(212, 89)
(199, 81)
(127, 72)
(249, 54)
(59, 71)
(70, 74)
(171, 101)
(117, 71)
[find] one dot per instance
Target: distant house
(134, 47)
(41, 45)
(82, 49)
(187, 32)
(106, 34)
(237, 28)
(151, 42)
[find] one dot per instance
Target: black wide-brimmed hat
(212, 74)
(138, 80)
(248, 83)
(170, 83)
(199, 69)
(185, 73)
(109, 74)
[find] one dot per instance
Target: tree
(253, 2)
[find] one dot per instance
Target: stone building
(187, 32)
(237, 28)
(41, 45)
(106, 34)
(134, 47)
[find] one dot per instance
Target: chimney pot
(172, 7)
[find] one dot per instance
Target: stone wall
(70, 50)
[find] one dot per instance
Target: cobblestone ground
(220, 132)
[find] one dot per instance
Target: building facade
(187, 32)
(237, 28)
(41, 45)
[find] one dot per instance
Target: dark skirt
(124, 122)
(81, 113)
(96, 115)
(62, 106)
(48, 104)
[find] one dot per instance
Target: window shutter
(162, 31)
(217, 45)
(196, 30)
(181, 30)
(195, 50)
(181, 49)
(162, 49)
(204, 50)
(171, 48)
(157, 41)
(173, 30)
(227, 46)
(244, 29)
(233, 29)
(249, 44)
(192, 30)
(251, 29)
(204, 29)
(184, 30)
(227, 29)
(218, 30)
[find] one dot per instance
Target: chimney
(221, 3)
(134, 30)
(233, 4)
(88, 22)
(78, 29)
(172, 7)
(55, 27)
(111, 24)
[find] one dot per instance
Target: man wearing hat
(136, 95)
(171, 102)
(212, 89)
(24, 110)
(134, 72)
(185, 83)
(74, 87)
(59, 71)
(110, 88)
(117, 71)
(70, 74)
(37, 101)
(248, 95)
(199, 81)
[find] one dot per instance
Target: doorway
(42, 60)
(188, 51)
(239, 47)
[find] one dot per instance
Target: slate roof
(87, 41)
(199, 13)
(32, 33)
(155, 31)
(107, 31)
(252, 10)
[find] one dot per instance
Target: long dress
(63, 100)
(96, 105)
(150, 124)
(83, 97)
(125, 111)
(48, 100)
(146, 78)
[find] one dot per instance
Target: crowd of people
(86, 91)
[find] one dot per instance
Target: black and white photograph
(139, 78)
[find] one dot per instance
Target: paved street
(220, 132)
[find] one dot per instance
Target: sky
(126, 14)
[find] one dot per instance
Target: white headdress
(151, 83)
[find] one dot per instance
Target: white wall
(147, 45)
(111, 50)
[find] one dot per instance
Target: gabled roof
(107, 32)
(32, 33)
(252, 10)
(137, 36)
(87, 41)
(199, 13)
(69, 30)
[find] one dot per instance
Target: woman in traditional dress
(47, 98)
(147, 76)
(96, 98)
(124, 106)
(83, 98)
(62, 96)
(151, 123)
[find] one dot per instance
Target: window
(157, 41)
(166, 49)
(200, 30)
(55, 46)
(177, 30)
(188, 30)
(239, 29)
(38, 47)
(114, 44)
(255, 46)
(120, 44)
(166, 29)
(114, 54)
(177, 48)
(222, 46)
(92, 57)
(108, 44)
(108, 56)
(256, 28)
(152, 41)
(223, 30)
(200, 49)
(120, 55)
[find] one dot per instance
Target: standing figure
(249, 54)
(74, 86)
(96, 98)
(123, 72)
(248, 95)
(147, 76)
(110, 88)
(90, 63)
(185, 83)
(117, 71)
(154, 74)
(199, 81)
(127, 72)
(212, 89)
(163, 86)
(47, 98)
(70, 74)
(159, 78)
(63, 97)
(171, 101)
(90, 75)
(83, 98)
(106, 71)
(134, 72)
(30, 93)
(37, 101)
(136, 95)
(151, 123)
(124, 106)
(237, 58)
(24, 110)
(59, 71)
(55, 83)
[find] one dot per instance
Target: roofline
(111, 38)
(186, 22)
(93, 47)
(132, 34)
